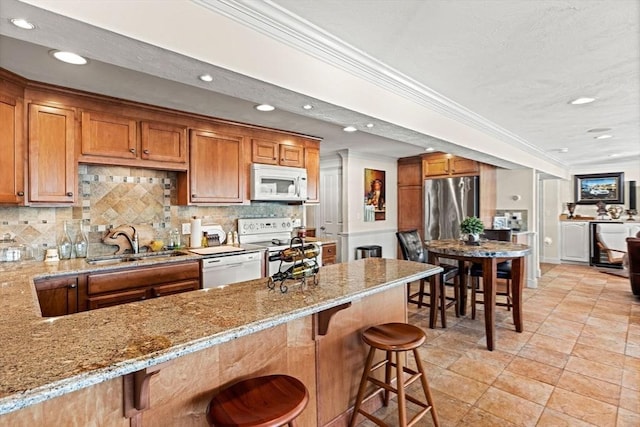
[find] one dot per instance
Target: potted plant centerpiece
(472, 227)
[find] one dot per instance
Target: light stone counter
(42, 358)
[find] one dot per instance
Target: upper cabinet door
(291, 155)
(12, 160)
(163, 142)
(460, 165)
(312, 164)
(265, 152)
(52, 164)
(436, 165)
(216, 173)
(108, 135)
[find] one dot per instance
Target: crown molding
(278, 23)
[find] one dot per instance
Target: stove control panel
(264, 225)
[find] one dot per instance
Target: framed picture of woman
(374, 195)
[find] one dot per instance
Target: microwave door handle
(298, 186)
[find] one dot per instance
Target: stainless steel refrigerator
(447, 202)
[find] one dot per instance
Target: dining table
(486, 253)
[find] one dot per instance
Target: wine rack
(305, 265)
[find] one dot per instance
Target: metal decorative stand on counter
(305, 264)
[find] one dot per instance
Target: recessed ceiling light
(206, 78)
(69, 57)
(597, 130)
(582, 100)
(350, 129)
(604, 136)
(265, 107)
(370, 125)
(22, 23)
(563, 150)
(429, 149)
(307, 106)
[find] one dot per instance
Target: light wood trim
(488, 196)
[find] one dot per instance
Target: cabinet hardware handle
(133, 150)
(143, 298)
(70, 194)
(193, 196)
(156, 294)
(20, 193)
(72, 286)
(274, 158)
(146, 151)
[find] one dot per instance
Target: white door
(330, 215)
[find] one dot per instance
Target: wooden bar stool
(394, 338)
(268, 401)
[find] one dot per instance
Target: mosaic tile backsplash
(112, 196)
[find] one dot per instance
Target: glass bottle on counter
(297, 253)
(298, 271)
(65, 247)
(81, 243)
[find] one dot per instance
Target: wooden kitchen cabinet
(109, 135)
(410, 194)
(112, 139)
(163, 142)
(12, 160)
(58, 296)
(277, 153)
(312, 164)
(52, 164)
(139, 283)
(216, 173)
(444, 165)
(328, 253)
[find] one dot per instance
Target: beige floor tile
(551, 343)
(450, 410)
(590, 387)
(632, 363)
(584, 408)
(479, 418)
(553, 418)
(510, 407)
(458, 386)
(598, 355)
(630, 400)
(628, 419)
(596, 331)
(527, 388)
(442, 357)
(595, 370)
(632, 350)
(496, 357)
(603, 343)
(631, 379)
(544, 355)
(621, 326)
(476, 369)
(534, 370)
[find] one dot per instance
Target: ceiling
(491, 78)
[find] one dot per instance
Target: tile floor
(577, 363)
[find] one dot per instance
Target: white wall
(517, 190)
(357, 232)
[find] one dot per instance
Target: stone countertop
(486, 249)
(43, 358)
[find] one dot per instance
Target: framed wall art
(599, 187)
(374, 195)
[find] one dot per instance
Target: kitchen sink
(117, 259)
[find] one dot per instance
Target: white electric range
(274, 234)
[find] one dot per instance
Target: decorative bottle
(298, 271)
(296, 253)
(81, 243)
(64, 245)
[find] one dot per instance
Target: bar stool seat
(268, 401)
(394, 338)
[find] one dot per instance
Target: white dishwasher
(225, 270)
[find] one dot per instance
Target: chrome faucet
(133, 241)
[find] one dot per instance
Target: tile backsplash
(111, 196)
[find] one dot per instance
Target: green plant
(471, 225)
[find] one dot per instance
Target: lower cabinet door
(175, 288)
(109, 300)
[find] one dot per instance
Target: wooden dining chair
(413, 250)
(503, 271)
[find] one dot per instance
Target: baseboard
(551, 260)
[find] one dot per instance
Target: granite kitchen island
(158, 362)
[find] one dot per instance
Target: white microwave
(278, 183)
